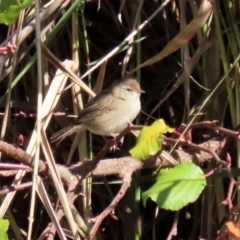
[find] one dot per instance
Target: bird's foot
(117, 143)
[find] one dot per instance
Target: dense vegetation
(185, 56)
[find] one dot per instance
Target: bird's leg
(120, 142)
(114, 147)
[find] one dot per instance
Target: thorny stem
(218, 129)
(173, 231)
(98, 220)
(197, 147)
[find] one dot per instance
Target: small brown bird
(109, 112)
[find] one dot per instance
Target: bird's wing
(95, 107)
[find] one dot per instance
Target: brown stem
(173, 231)
(98, 220)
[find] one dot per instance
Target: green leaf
(177, 187)
(4, 223)
(10, 9)
(149, 141)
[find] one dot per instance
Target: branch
(98, 220)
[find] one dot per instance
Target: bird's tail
(60, 135)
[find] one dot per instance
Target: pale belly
(114, 122)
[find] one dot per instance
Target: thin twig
(6, 189)
(98, 220)
(173, 231)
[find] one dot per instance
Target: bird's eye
(129, 89)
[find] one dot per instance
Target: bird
(109, 112)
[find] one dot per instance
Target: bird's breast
(116, 120)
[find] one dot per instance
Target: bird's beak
(141, 91)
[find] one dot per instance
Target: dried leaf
(184, 36)
(234, 231)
